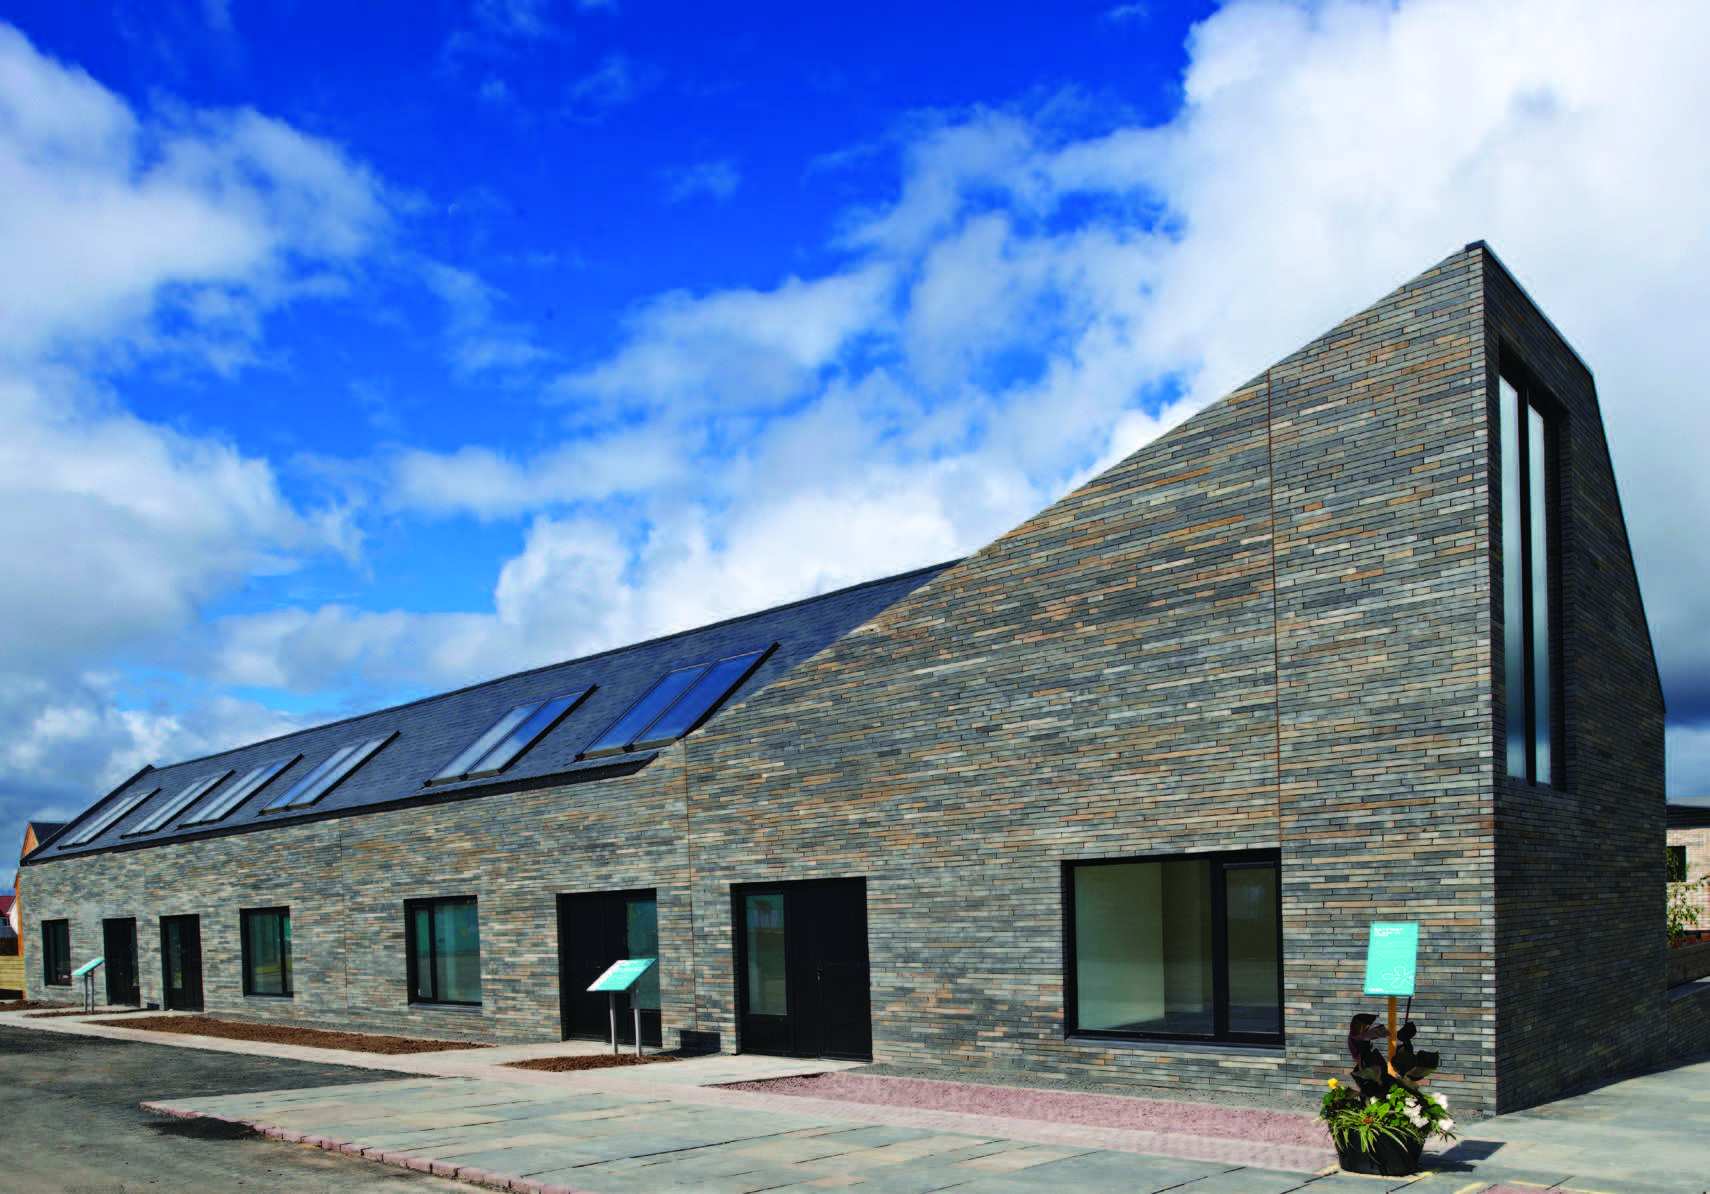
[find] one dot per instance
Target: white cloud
(615, 81)
(1030, 303)
(715, 179)
(477, 341)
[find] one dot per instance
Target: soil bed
(1067, 1107)
(24, 1005)
(587, 1061)
(287, 1034)
(77, 1011)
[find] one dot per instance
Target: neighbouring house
(11, 961)
(1112, 799)
(1689, 850)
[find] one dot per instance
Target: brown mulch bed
(24, 1005)
(77, 1011)
(288, 1034)
(589, 1061)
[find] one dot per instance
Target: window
(169, 809)
(508, 737)
(1677, 864)
(444, 948)
(56, 953)
(678, 702)
(114, 811)
(1528, 572)
(266, 950)
(252, 782)
(1179, 948)
(327, 776)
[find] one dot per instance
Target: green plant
(1381, 1104)
(1682, 913)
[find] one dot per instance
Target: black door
(119, 947)
(594, 931)
(802, 977)
(181, 962)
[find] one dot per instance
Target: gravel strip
(1091, 1110)
(287, 1034)
(595, 1061)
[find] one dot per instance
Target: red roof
(5, 904)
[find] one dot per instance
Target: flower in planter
(1381, 1123)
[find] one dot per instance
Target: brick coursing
(1275, 627)
(1697, 843)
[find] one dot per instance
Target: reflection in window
(1528, 480)
(641, 929)
(445, 951)
(1176, 948)
(266, 951)
(767, 993)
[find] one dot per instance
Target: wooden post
(1390, 1062)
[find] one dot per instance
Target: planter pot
(1386, 1158)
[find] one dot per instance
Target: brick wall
(1581, 964)
(1697, 843)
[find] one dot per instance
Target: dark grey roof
(45, 830)
(430, 732)
(1689, 812)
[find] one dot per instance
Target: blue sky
(352, 352)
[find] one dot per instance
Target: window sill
(428, 1005)
(285, 998)
(1160, 1045)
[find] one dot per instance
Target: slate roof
(430, 732)
(45, 830)
(1689, 812)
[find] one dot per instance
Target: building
(1689, 851)
(1112, 799)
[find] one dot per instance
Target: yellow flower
(1332, 1083)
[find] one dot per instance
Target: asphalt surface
(69, 1106)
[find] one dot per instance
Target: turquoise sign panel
(87, 967)
(1392, 958)
(621, 974)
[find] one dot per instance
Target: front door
(181, 962)
(119, 947)
(595, 930)
(803, 981)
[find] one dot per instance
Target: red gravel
(1055, 1106)
(287, 1034)
(587, 1061)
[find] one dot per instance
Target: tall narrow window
(444, 946)
(56, 953)
(1528, 481)
(266, 950)
(1181, 947)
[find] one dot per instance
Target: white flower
(1441, 1100)
(1445, 1126)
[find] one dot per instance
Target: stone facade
(1697, 845)
(1276, 627)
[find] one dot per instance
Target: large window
(56, 953)
(1528, 569)
(266, 951)
(1176, 948)
(444, 945)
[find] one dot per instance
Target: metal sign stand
(621, 975)
(86, 972)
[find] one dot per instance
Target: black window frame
(56, 954)
(1530, 396)
(412, 955)
(1221, 861)
(245, 915)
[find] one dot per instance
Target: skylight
(251, 783)
(509, 737)
(118, 809)
(327, 776)
(680, 701)
(178, 803)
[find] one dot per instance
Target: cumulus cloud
(119, 530)
(1034, 300)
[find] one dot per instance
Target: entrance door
(594, 931)
(181, 962)
(803, 983)
(119, 947)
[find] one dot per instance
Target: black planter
(1385, 1158)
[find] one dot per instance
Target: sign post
(1392, 967)
(620, 976)
(86, 972)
